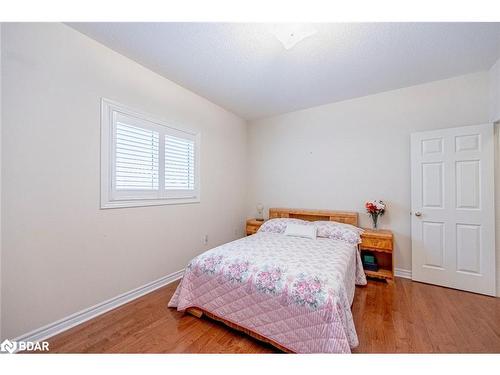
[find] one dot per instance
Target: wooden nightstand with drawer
(253, 226)
(380, 243)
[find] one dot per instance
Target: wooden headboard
(315, 215)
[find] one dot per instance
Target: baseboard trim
(401, 272)
(82, 316)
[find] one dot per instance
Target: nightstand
(253, 226)
(380, 243)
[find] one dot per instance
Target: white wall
(494, 77)
(338, 155)
(61, 253)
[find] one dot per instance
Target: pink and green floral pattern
(211, 264)
(238, 271)
(308, 291)
(270, 280)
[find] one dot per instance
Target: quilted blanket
(294, 291)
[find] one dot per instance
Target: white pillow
(301, 230)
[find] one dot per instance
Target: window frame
(112, 198)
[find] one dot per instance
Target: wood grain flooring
(405, 317)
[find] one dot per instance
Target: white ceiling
(245, 69)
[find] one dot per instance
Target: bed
(292, 292)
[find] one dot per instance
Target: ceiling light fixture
(291, 34)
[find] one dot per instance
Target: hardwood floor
(405, 317)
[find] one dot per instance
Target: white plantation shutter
(137, 158)
(179, 163)
(144, 161)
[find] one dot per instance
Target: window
(144, 161)
(136, 158)
(179, 164)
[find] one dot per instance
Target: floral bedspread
(294, 291)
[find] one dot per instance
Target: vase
(375, 220)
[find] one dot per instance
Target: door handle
(418, 213)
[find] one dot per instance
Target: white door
(453, 217)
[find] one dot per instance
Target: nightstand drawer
(251, 229)
(377, 243)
